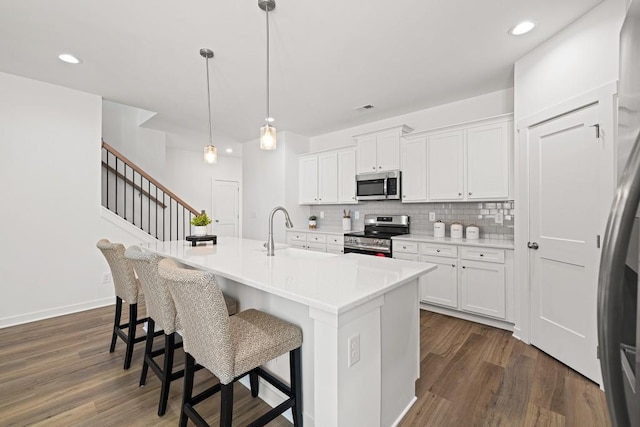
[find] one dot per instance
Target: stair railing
(137, 197)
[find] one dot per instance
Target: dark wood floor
(58, 372)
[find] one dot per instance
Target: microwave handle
(384, 186)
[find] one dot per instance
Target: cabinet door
(388, 151)
(328, 177)
(366, 156)
(441, 285)
(445, 166)
(414, 170)
(488, 161)
(308, 180)
(347, 176)
(483, 289)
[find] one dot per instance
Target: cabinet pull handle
(453, 265)
(438, 250)
(470, 193)
(464, 266)
(379, 167)
(373, 167)
(481, 254)
(459, 194)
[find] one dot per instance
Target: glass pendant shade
(268, 137)
(211, 154)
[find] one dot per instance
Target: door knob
(532, 245)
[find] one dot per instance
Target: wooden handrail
(148, 177)
(133, 184)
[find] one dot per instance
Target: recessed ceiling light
(522, 28)
(68, 58)
(229, 150)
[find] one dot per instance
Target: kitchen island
(359, 316)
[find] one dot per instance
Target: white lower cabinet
(473, 281)
(440, 286)
(318, 242)
(483, 288)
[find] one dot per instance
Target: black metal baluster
(170, 215)
(177, 222)
(149, 207)
(116, 179)
(183, 222)
(156, 210)
(125, 190)
(140, 192)
(107, 174)
(164, 224)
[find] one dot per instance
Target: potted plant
(200, 223)
(312, 222)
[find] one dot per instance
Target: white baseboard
(496, 323)
(5, 322)
(404, 412)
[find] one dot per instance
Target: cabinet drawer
(408, 257)
(434, 249)
(318, 247)
(300, 237)
(316, 238)
(482, 254)
(335, 240)
(406, 247)
(297, 244)
(335, 249)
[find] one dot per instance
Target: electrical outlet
(356, 215)
(106, 278)
(321, 214)
(354, 349)
(499, 218)
(432, 216)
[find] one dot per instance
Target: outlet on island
(354, 350)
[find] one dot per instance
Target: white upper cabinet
(347, 176)
(327, 177)
(414, 169)
(445, 165)
(471, 161)
(487, 161)
(380, 151)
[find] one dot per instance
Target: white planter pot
(312, 224)
(346, 224)
(199, 230)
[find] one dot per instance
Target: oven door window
(367, 252)
(371, 187)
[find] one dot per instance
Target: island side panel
(400, 330)
(293, 312)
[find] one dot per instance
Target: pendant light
(267, 132)
(210, 151)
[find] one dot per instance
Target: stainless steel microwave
(378, 186)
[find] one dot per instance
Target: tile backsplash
(482, 214)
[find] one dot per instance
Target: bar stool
(230, 347)
(162, 314)
(128, 289)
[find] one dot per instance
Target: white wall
(479, 107)
(49, 167)
(270, 179)
(192, 179)
(121, 128)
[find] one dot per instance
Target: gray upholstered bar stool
(127, 289)
(230, 347)
(162, 315)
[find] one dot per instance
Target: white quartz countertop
(332, 283)
(321, 230)
(485, 243)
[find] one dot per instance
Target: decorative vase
(312, 224)
(346, 224)
(199, 230)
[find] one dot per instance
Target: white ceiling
(327, 57)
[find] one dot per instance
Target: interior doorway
(226, 209)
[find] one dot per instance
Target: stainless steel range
(376, 237)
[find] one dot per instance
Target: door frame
(213, 200)
(605, 99)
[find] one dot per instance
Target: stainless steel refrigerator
(618, 320)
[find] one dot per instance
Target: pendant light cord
(268, 109)
(209, 104)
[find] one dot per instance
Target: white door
(366, 157)
(488, 161)
(440, 286)
(328, 177)
(564, 222)
(347, 176)
(388, 151)
(445, 163)
(414, 170)
(225, 208)
(308, 180)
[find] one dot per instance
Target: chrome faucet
(270, 245)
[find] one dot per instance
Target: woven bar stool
(230, 347)
(127, 289)
(162, 315)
